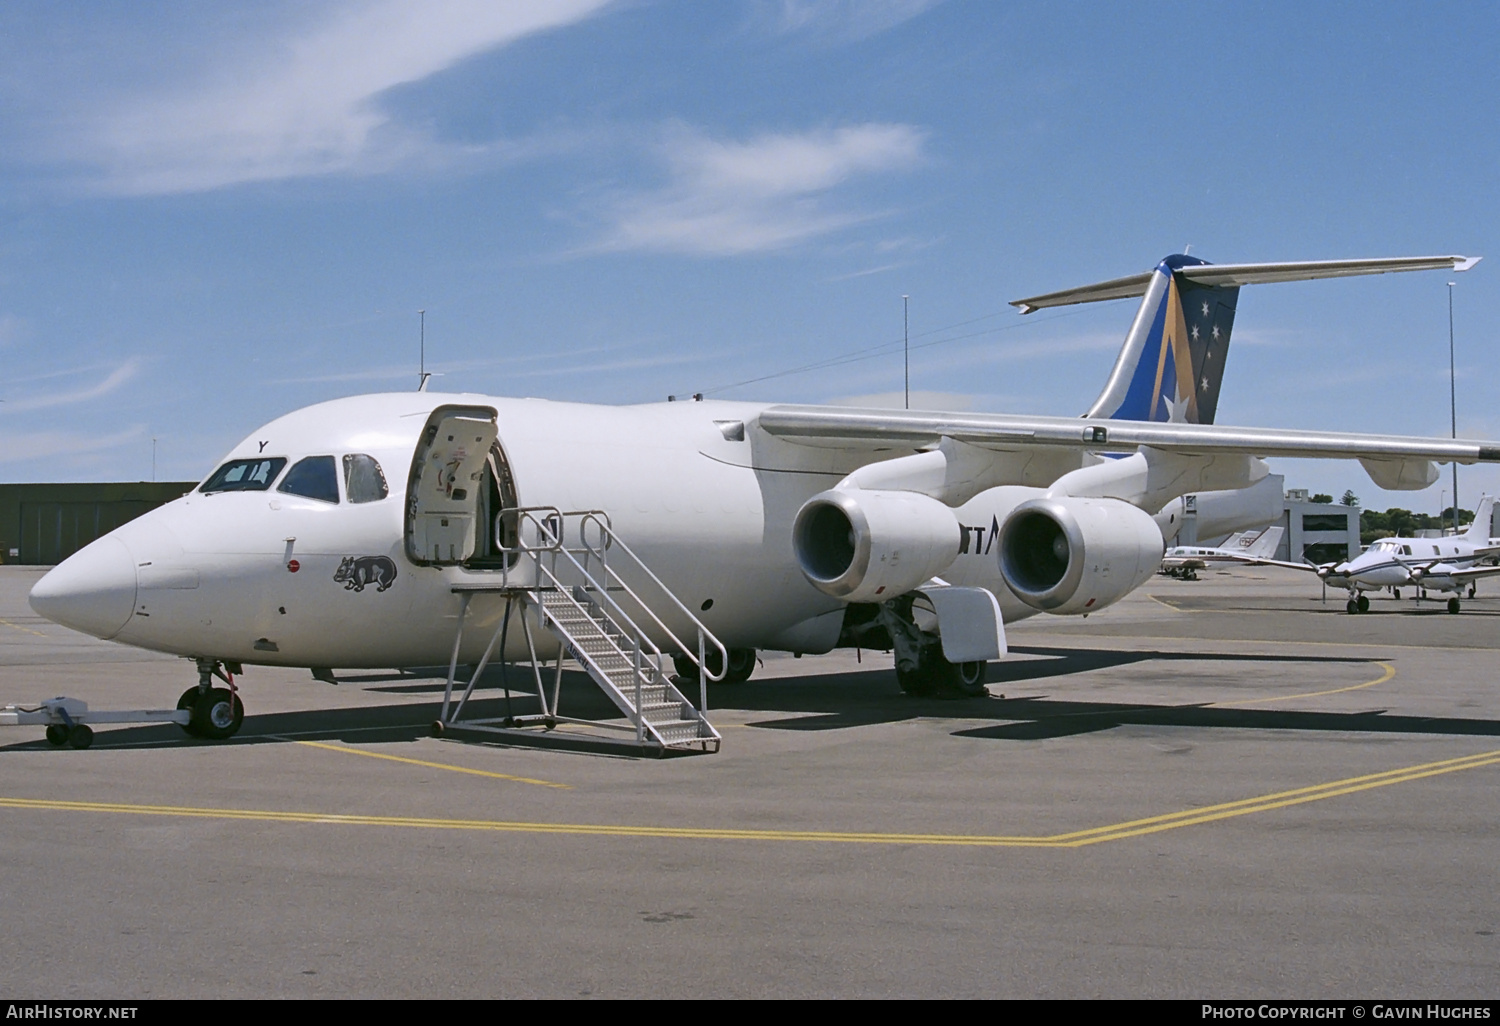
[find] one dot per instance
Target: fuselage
(1401, 562)
(263, 572)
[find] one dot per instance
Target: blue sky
(213, 214)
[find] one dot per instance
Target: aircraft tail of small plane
(1479, 530)
(1172, 363)
(1259, 544)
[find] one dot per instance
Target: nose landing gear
(216, 712)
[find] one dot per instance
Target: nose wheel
(216, 713)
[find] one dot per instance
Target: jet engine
(1075, 555)
(869, 546)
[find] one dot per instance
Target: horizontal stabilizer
(1245, 274)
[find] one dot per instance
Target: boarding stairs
(567, 583)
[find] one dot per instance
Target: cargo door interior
(446, 491)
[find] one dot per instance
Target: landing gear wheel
(218, 714)
(936, 676)
(917, 682)
(57, 735)
(1396, 593)
(1351, 607)
(741, 666)
(189, 701)
(81, 736)
(1364, 603)
(970, 679)
(1453, 604)
(1473, 590)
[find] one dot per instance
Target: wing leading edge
(863, 429)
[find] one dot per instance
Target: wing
(863, 429)
(1469, 573)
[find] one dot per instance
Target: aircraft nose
(92, 591)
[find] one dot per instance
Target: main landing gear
(921, 669)
(741, 665)
(216, 712)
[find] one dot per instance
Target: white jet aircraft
(1449, 563)
(409, 529)
(1185, 561)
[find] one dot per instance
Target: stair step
(609, 653)
(677, 730)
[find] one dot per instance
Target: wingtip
(1463, 263)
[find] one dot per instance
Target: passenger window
(245, 475)
(364, 481)
(314, 477)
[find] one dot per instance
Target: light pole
(1452, 403)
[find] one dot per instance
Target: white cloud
(38, 445)
(116, 378)
(769, 192)
(848, 19)
(10, 329)
(308, 105)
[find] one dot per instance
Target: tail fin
(1260, 544)
(1172, 363)
(1479, 530)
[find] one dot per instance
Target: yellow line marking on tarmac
(1043, 635)
(433, 765)
(1390, 671)
(1164, 602)
(1074, 839)
(18, 627)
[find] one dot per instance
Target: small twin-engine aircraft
(411, 529)
(1450, 563)
(1185, 561)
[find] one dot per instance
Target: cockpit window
(364, 481)
(314, 477)
(245, 475)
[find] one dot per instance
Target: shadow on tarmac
(824, 702)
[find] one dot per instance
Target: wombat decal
(358, 571)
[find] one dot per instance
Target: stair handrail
(553, 546)
(610, 538)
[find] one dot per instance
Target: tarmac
(1225, 788)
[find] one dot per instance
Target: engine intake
(1073, 555)
(869, 546)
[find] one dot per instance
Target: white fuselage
(255, 576)
(1403, 562)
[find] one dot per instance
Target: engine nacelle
(869, 546)
(1073, 555)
